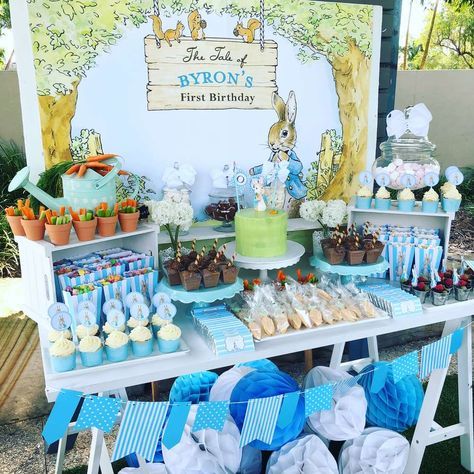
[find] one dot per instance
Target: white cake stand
(292, 256)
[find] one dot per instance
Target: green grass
(442, 458)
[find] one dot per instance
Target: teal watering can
(85, 192)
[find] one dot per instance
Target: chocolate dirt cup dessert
(191, 278)
(211, 275)
(230, 272)
(355, 252)
(336, 252)
(373, 248)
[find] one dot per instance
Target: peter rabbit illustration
(259, 190)
(282, 140)
(168, 35)
(196, 25)
(248, 34)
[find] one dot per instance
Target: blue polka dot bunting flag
(435, 356)
(98, 412)
(260, 420)
(211, 415)
(405, 365)
(318, 398)
(140, 429)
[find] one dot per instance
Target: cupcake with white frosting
(430, 201)
(116, 346)
(142, 341)
(157, 322)
(83, 331)
(382, 199)
(168, 338)
(54, 335)
(63, 355)
(133, 322)
(451, 197)
(90, 348)
(406, 200)
(364, 197)
(108, 329)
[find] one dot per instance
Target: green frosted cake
(261, 233)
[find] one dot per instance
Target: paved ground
(21, 443)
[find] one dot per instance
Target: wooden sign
(215, 73)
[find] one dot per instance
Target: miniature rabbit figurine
(282, 140)
(259, 189)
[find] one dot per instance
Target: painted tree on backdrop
(69, 35)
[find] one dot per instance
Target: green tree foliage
(452, 42)
(317, 28)
(69, 35)
(5, 24)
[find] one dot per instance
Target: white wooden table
(454, 315)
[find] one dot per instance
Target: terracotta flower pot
(15, 225)
(106, 226)
(128, 221)
(59, 234)
(85, 230)
(34, 229)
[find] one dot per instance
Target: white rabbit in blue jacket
(281, 140)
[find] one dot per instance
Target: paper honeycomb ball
(375, 451)
(193, 388)
(305, 455)
(260, 364)
(261, 384)
(395, 406)
(205, 451)
(346, 419)
(226, 382)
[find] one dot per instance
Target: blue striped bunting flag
(211, 415)
(405, 365)
(98, 412)
(260, 420)
(435, 356)
(140, 429)
(318, 398)
(346, 384)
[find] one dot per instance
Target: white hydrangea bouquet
(328, 214)
(174, 217)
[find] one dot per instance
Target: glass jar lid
(407, 144)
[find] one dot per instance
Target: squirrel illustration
(168, 35)
(248, 34)
(196, 25)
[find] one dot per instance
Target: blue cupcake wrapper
(429, 206)
(406, 205)
(141, 349)
(117, 354)
(382, 204)
(450, 205)
(166, 346)
(91, 359)
(64, 364)
(363, 202)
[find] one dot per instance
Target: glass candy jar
(222, 207)
(409, 154)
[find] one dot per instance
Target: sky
(417, 20)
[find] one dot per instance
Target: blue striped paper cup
(142, 348)
(406, 205)
(167, 346)
(382, 204)
(64, 364)
(117, 354)
(91, 359)
(429, 206)
(363, 202)
(450, 205)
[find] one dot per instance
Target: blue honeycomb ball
(261, 384)
(397, 405)
(193, 388)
